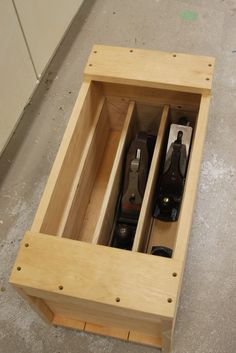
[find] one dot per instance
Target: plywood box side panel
(167, 334)
(188, 201)
(146, 95)
(117, 109)
(38, 305)
(85, 156)
(105, 318)
(88, 271)
(86, 233)
(86, 176)
(57, 189)
(185, 218)
(180, 72)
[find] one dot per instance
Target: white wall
(30, 32)
(44, 23)
(16, 71)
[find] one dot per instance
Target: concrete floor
(206, 320)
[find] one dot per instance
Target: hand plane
(171, 182)
(138, 160)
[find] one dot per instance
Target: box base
(123, 334)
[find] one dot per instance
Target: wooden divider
(162, 234)
(87, 159)
(94, 151)
(145, 217)
(51, 208)
(105, 221)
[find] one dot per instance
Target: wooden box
(64, 267)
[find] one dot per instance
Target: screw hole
(131, 50)
(117, 300)
(210, 65)
(90, 64)
(18, 268)
(207, 79)
(174, 274)
(60, 287)
(169, 300)
(179, 106)
(95, 51)
(26, 245)
(174, 55)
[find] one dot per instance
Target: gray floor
(206, 320)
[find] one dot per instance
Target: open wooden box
(64, 267)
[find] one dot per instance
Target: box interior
(111, 116)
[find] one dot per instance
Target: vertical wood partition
(145, 217)
(105, 222)
(52, 204)
(82, 185)
(86, 161)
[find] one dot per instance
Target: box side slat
(107, 331)
(152, 96)
(182, 72)
(61, 320)
(149, 340)
(185, 218)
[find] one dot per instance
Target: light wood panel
(60, 181)
(105, 319)
(185, 218)
(105, 221)
(167, 333)
(117, 109)
(153, 96)
(85, 179)
(145, 216)
(148, 340)
(86, 272)
(162, 234)
(173, 71)
(87, 162)
(96, 198)
(107, 331)
(60, 320)
(38, 304)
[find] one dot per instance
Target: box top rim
(149, 68)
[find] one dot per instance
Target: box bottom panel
(104, 319)
(123, 334)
